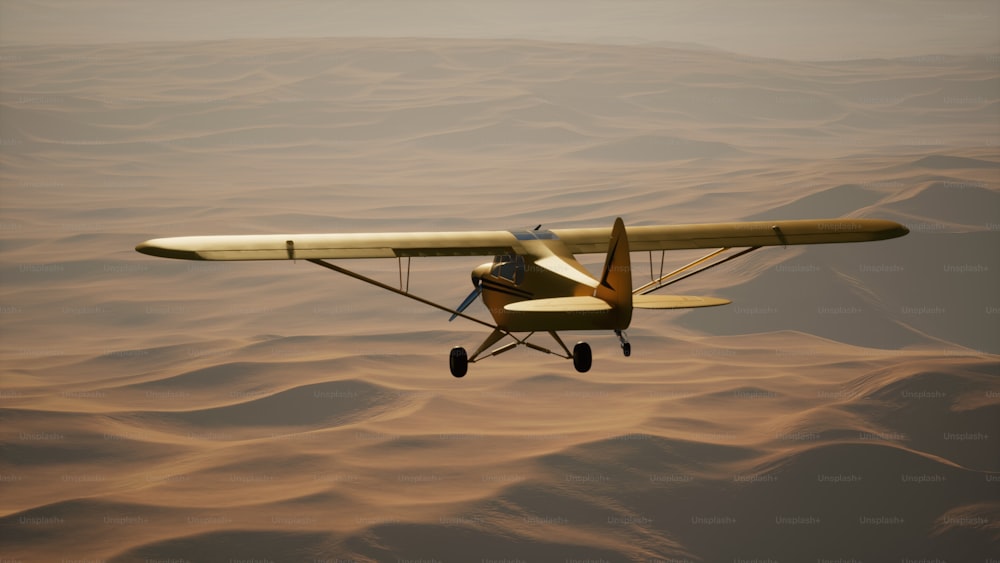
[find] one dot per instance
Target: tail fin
(616, 279)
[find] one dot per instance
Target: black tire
(627, 349)
(458, 361)
(582, 357)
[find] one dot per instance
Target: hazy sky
(792, 29)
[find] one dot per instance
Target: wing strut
(405, 288)
(494, 337)
(659, 283)
(402, 292)
(683, 268)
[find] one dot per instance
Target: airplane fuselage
(547, 271)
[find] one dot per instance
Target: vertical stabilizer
(616, 279)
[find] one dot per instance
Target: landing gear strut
(582, 356)
(626, 347)
(459, 359)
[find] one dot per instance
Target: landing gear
(626, 346)
(458, 361)
(582, 357)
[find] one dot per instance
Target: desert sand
(845, 407)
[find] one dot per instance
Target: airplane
(534, 282)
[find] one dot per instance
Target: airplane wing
(321, 246)
(490, 243)
(734, 235)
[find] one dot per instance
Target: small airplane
(534, 282)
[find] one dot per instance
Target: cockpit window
(509, 267)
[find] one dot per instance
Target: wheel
(458, 361)
(627, 349)
(582, 358)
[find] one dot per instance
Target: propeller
(471, 297)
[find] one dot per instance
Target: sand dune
(844, 407)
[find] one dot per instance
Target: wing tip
(899, 230)
(155, 247)
(883, 229)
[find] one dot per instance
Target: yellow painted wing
(489, 243)
(320, 246)
(734, 235)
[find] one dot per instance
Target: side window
(509, 267)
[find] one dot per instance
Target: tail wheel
(458, 361)
(582, 357)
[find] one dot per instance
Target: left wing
(320, 246)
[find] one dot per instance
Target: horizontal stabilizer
(675, 301)
(579, 304)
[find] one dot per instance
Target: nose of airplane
(480, 272)
(477, 276)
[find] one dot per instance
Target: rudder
(616, 279)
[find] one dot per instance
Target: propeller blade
(468, 301)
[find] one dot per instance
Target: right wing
(734, 235)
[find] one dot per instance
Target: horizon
(781, 29)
